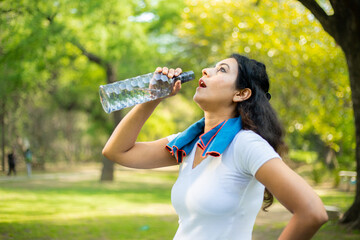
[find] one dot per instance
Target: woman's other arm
(297, 196)
(122, 147)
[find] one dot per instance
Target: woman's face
(217, 86)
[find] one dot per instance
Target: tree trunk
(2, 120)
(330, 159)
(352, 216)
(107, 173)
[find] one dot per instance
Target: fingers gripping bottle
(129, 92)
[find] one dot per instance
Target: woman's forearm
(125, 134)
(302, 227)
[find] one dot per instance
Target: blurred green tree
(54, 53)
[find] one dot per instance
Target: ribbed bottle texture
(140, 89)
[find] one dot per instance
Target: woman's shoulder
(248, 141)
(251, 151)
(248, 136)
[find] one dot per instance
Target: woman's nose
(205, 72)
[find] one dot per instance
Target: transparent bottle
(129, 92)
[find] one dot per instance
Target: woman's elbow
(108, 154)
(322, 217)
(105, 152)
(318, 217)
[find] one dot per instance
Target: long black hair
(256, 112)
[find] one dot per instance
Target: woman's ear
(242, 95)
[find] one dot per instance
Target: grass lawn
(135, 206)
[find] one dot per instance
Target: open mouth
(202, 83)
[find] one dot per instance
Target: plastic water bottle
(129, 92)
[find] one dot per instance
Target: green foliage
(303, 156)
(318, 172)
(173, 116)
(46, 77)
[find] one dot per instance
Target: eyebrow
(223, 64)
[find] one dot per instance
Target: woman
(226, 159)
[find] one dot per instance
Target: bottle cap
(185, 76)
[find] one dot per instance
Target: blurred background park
(55, 54)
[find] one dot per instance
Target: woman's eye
(221, 69)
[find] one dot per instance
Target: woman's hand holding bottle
(170, 73)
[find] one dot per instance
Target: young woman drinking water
(229, 160)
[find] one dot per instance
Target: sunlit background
(55, 54)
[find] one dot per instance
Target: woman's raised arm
(122, 147)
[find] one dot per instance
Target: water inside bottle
(130, 92)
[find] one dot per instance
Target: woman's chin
(200, 102)
(196, 98)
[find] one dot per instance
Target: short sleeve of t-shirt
(172, 137)
(252, 151)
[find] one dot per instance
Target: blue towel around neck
(214, 142)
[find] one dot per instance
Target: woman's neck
(213, 119)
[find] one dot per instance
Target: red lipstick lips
(202, 83)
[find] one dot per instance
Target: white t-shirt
(220, 198)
